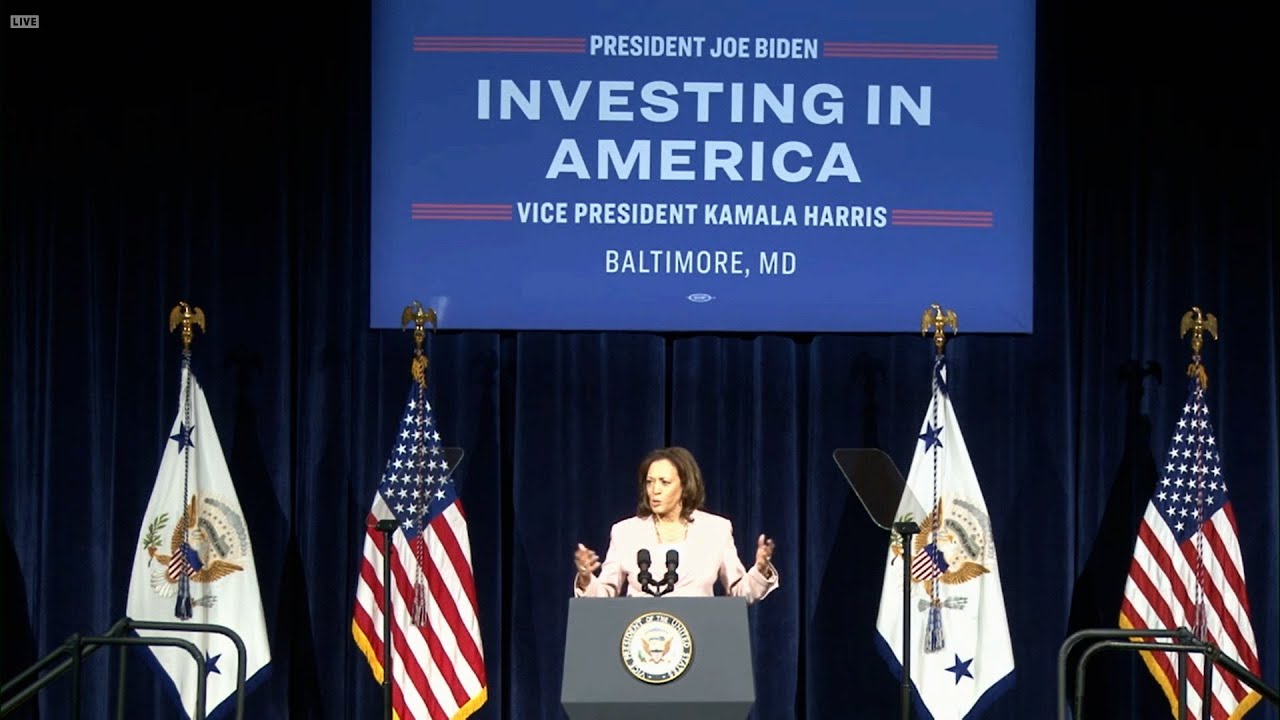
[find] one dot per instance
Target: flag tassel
(419, 603)
(934, 640)
(182, 608)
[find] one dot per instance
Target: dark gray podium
(717, 683)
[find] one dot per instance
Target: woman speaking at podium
(672, 546)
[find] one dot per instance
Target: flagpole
(418, 370)
(939, 319)
(187, 317)
(386, 527)
(906, 529)
(419, 316)
(1198, 323)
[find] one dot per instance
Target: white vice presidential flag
(193, 561)
(961, 656)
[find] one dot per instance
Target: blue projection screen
(801, 166)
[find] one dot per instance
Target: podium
(634, 658)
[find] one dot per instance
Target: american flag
(437, 655)
(1186, 569)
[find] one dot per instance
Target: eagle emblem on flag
(955, 553)
(207, 544)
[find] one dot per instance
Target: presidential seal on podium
(657, 647)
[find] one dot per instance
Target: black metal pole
(906, 530)
(1245, 674)
(76, 657)
(1206, 698)
(1182, 686)
(34, 688)
(387, 528)
(120, 683)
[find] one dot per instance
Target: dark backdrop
(221, 156)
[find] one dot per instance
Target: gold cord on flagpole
(1198, 322)
(188, 318)
(419, 316)
(939, 320)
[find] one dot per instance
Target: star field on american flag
(1191, 487)
(416, 484)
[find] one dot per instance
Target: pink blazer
(706, 554)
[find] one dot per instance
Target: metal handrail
(242, 655)
(21, 678)
(76, 649)
(1184, 642)
(187, 645)
(1076, 638)
(1180, 648)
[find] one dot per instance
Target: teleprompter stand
(883, 492)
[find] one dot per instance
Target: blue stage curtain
(225, 162)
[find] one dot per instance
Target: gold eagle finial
(187, 317)
(1197, 322)
(939, 320)
(414, 312)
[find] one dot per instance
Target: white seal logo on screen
(700, 297)
(657, 648)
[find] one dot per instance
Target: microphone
(644, 578)
(671, 578)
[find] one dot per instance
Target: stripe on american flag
(443, 687)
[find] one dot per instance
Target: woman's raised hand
(764, 555)
(587, 562)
